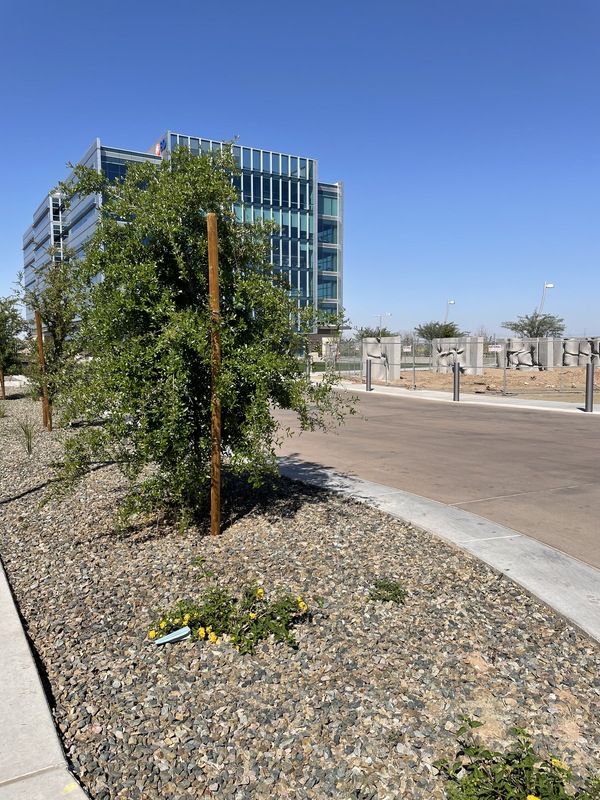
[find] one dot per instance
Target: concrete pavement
(32, 763)
(530, 467)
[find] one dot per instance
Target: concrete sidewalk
(32, 763)
(503, 401)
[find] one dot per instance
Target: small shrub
(244, 621)
(27, 426)
(386, 589)
(519, 774)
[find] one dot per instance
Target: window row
(300, 281)
(291, 254)
(291, 224)
(251, 158)
(259, 189)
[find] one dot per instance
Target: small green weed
(244, 621)
(519, 774)
(27, 426)
(386, 589)
(198, 561)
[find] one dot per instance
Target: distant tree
(373, 333)
(439, 330)
(536, 326)
(11, 325)
(482, 332)
(54, 293)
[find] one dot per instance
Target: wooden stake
(46, 412)
(2, 383)
(215, 340)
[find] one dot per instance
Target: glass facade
(306, 247)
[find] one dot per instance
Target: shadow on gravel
(33, 490)
(278, 498)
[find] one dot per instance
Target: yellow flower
(532, 797)
(556, 762)
(151, 634)
(186, 619)
(177, 621)
(163, 624)
(212, 636)
(252, 615)
(301, 604)
(208, 628)
(201, 633)
(260, 593)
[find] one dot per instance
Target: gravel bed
(361, 709)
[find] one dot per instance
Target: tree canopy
(439, 330)
(373, 333)
(536, 325)
(146, 325)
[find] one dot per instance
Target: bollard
(456, 370)
(589, 387)
(369, 389)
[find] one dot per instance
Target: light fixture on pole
(448, 304)
(546, 286)
(379, 317)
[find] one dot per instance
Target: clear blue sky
(467, 132)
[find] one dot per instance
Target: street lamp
(546, 286)
(448, 304)
(379, 317)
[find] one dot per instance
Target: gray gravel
(360, 710)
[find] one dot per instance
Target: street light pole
(448, 304)
(546, 286)
(379, 317)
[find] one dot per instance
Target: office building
(271, 185)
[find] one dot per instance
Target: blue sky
(466, 131)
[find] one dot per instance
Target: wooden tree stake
(46, 412)
(215, 340)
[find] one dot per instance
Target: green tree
(536, 325)
(11, 325)
(146, 325)
(373, 333)
(439, 330)
(54, 293)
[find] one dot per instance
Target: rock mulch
(360, 709)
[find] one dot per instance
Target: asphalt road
(537, 472)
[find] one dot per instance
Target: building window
(328, 204)
(327, 260)
(328, 231)
(327, 288)
(266, 187)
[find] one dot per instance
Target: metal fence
(535, 369)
